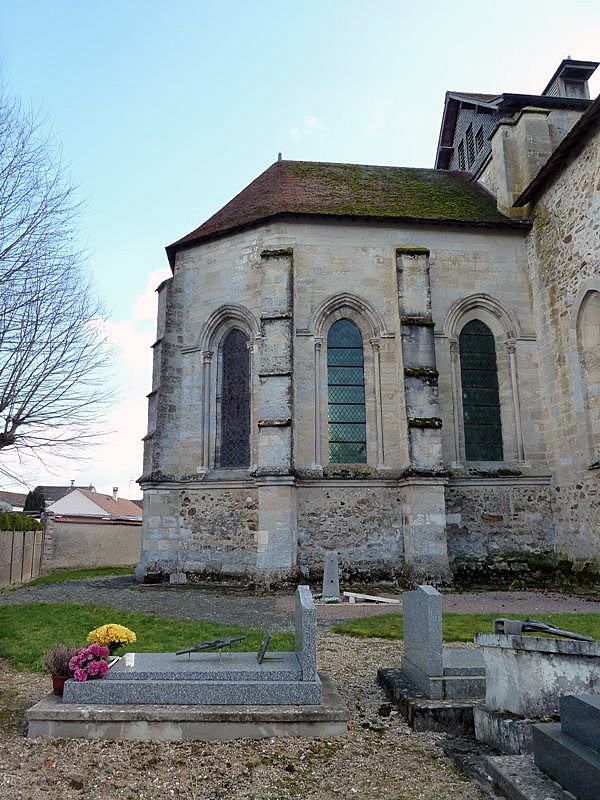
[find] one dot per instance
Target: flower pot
(58, 683)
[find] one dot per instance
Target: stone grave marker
(440, 673)
(331, 575)
(422, 611)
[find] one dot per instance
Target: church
(399, 365)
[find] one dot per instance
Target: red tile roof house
(396, 364)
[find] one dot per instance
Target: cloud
(144, 307)
(115, 459)
(309, 127)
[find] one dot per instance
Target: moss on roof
(353, 190)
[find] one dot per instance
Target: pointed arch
(344, 300)
(222, 320)
(498, 317)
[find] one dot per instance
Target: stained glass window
(481, 400)
(235, 401)
(346, 394)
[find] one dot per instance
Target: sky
(165, 110)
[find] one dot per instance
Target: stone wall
(564, 259)
(361, 521)
(202, 529)
(494, 524)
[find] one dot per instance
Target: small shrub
(56, 660)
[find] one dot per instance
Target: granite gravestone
(438, 672)
(569, 751)
(331, 576)
(214, 678)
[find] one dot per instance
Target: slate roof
(356, 191)
(54, 493)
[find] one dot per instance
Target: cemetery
(524, 696)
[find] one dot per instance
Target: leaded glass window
(346, 394)
(235, 401)
(481, 400)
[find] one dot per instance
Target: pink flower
(93, 668)
(98, 650)
(80, 675)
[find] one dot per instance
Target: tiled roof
(352, 191)
(15, 498)
(116, 508)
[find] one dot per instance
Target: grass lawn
(462, 627)
(26, 631)
(62, 575)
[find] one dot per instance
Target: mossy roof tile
(352, 190)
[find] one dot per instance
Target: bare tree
(52, 349)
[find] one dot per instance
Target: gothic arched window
(480, 396)
(235, 401)
(346, 394)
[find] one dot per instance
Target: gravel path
(275, 610)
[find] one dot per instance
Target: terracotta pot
(58, 683)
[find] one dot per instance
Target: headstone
(569, 751)
(422, 611)
(305, 621)
(331, 575)
(580, 719)
(440, 673)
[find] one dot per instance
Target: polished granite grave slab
(276, 666)
(194, 692)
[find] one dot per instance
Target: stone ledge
(519, 779)
(52, 717)
(450, 716)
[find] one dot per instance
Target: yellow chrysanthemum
(111, 634)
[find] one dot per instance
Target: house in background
(12, 501)
(79, 502)
(85, 528)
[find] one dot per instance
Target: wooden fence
(20, 556)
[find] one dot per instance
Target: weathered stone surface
(454, 716)
(511, 735)
(519, 779)
(526, 675)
